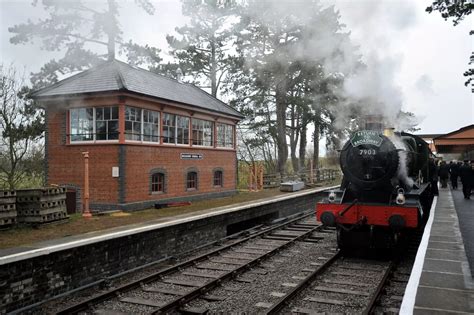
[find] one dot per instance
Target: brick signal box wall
(131, 190)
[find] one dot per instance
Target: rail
(87, 304)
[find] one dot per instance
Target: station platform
(441, 281)
(10, 255)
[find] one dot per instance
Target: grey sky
(424, 54)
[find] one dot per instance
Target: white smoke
(373, 89)
(402, 172)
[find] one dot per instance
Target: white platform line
(409, 297)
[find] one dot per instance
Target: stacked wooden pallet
(8, 211)
(41, 205)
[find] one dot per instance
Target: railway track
(172, 288)
(347, 285)
(337, 285)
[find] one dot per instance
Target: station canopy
(458, 141)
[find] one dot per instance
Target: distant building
(149, 138)
(460, 142)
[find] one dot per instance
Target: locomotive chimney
(373, 122)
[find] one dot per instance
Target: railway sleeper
(325, 301)
(141, 301)
(343, 291)
(164, 291)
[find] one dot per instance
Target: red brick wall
(142, 159)
(66, 163)
(66, 166)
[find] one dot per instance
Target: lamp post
(86, 213)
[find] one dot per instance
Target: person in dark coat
(433, 176)
(472, 176)
(454, 174)
(465, 172)
(444, 174)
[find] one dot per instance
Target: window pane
(115, 112)
(81, 124)
(112, 130)
(202, 132)
(191, 180)
(101, 130)
(150, 125)
(133, 124)
(183, 130)
(218, 178)
(169, 131)
(107, 113)
(157, 182)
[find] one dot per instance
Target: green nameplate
(366, 137)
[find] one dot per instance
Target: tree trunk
(280, 99)
(316, 146)
(110, 29)
(213, 74)
(294, 135)
(303, 142)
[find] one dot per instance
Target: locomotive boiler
(385, 189)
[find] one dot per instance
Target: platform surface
(445, 284)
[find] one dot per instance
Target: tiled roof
(118, 76)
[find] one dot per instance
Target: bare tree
(20, 126)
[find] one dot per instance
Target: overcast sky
(426, 54)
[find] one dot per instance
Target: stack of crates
(36, 206)
(7, 208)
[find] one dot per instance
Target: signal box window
(191, 181)
(93, 123)
(157, 182)
(218, 178)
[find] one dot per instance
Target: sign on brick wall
(191, 156)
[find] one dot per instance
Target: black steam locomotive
(385, 190)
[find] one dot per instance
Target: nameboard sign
(191, 156)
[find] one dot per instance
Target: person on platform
(454, 174)
(433, 176)
(466, 173)
(443, 174)
(472, 177)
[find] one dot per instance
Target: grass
(25, 235)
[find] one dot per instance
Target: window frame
(161, 175)
(221, 178)
(192, 180)
(203, 130)
(228, 128)
(152, 123)
(142, 126)
(70, 135)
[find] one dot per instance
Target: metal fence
(308, 177)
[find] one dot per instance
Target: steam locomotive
(385, 190)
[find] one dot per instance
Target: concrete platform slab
(441, 266)
(445, 299)
(440, 280)
(445, 246)
(445, 254)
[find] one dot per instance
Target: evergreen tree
(80, 29)
(457, 10)
(202, 48)
(285, 51)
